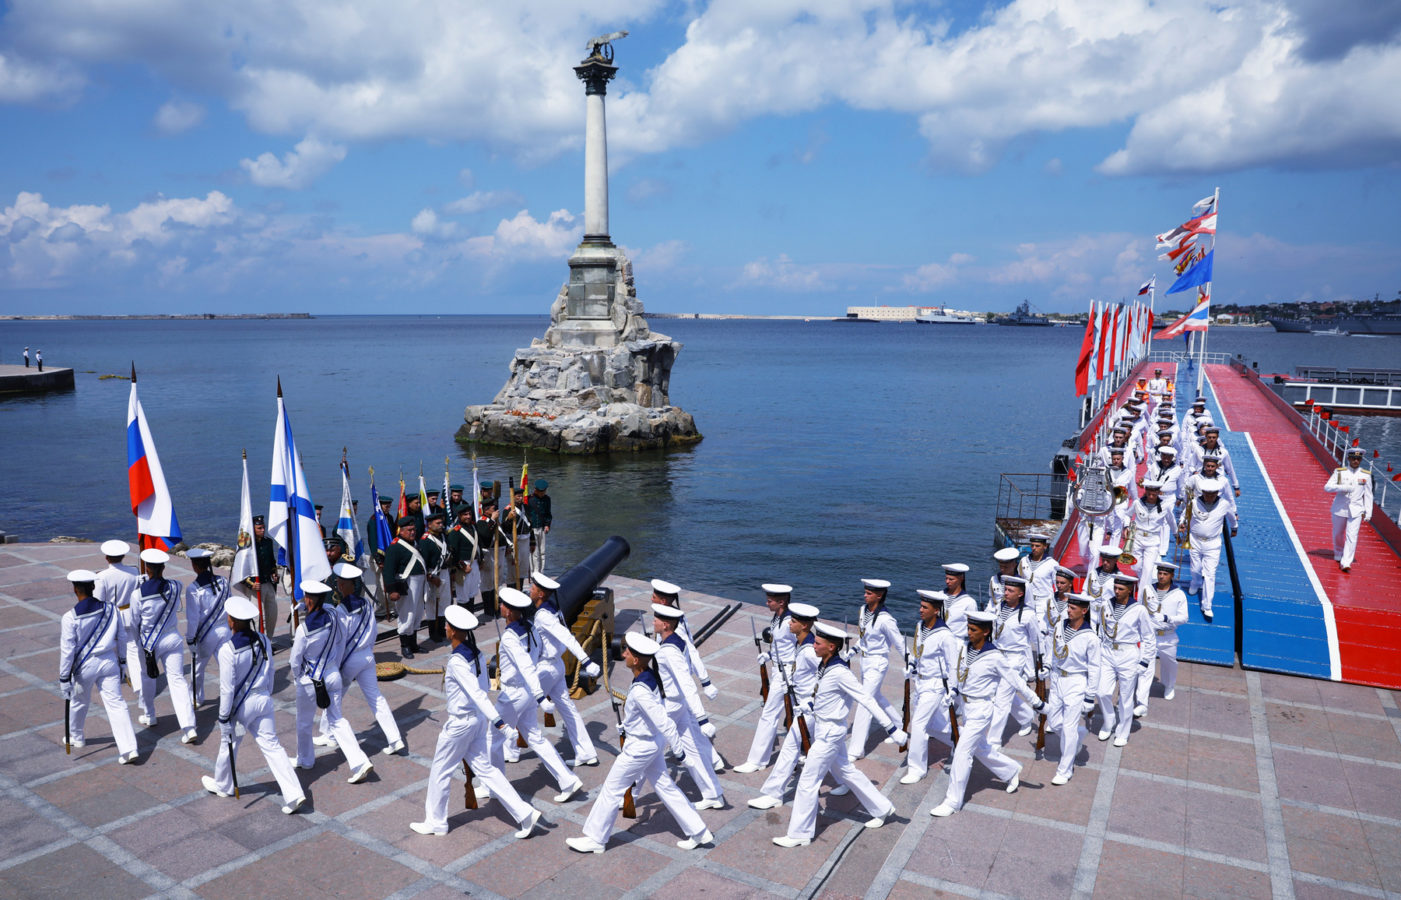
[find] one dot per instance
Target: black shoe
(442, 629)
(405, 647)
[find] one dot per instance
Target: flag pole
(257, 582)
(292, 523)
(1201, 343)
(140, 563)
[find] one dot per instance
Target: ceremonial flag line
(291, 515)
(150, 497)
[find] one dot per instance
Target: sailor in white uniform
(118, 585)
(1351, 488)
(1039, 570)
(1157, 386)
(1210, 448)
(1074, 663)
(931, 668)
(1008, 561)
(1017, 631)
(800, 681)
(1128, 645)
(1099, 583)
(981, 669)
(647, 730)
(878, 638)
(1165, 470)
(782, 651)
(1055, 610)
(959, 602)
(834, 692)
(245, 696)
(464, 735)
(1167, 609)
(357, 664)
(1207, 515)
(206, 624)
(682, 702)
(668, 594)
(317, 651)
(89, 637)
(555, 638)
(1151, 521)
(158, 608)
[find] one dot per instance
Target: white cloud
(306, 162)
(176, 116)
(932, 276)
(477, 201)
(22, 81)
(782, 274)
(523, 238)
(659, 257)
(427, 225)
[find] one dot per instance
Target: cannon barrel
(576, 586)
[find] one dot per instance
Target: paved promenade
(1246, 784)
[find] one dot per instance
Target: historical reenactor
(463, 550)
(245, 695)
(803, 677)
(464, 735)
(878, 637)
(834, 691)
(317, 651)
(683, 704)
(516, 527)
(205, 621)
(1008, 561)
(413, 506)
(959, 602)
(435, 503)
(521, 692)
(1351, 488)
(405, 581)
(1039, 570)
(1151, 521)
(1017, 631)
(647, 730)
(555, 638)
(437, 588)
(782, 650)
(1167, 610)
(540, 516)
(493, 546)
(118, 585)
(456, 504)
(1128, 645)
(1205, 518)
(357, 664)
(1075, 676)
(335, 551)
(931, 667)
(90, 640)
(375, 564)
(158, 608)
(668, 594)
(265, 552)
(981, 669)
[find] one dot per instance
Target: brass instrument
(1130, 535)
(1186, 542)
(1121, 493)
(1092, 495)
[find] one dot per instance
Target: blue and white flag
(291, 515)
(346, 529)
(1194, 277)
(384, 535)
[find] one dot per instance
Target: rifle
(629, 804)
(763, 669)
(233, 769)
(67, 728)
(469, 794)
(905, 716)
(789, 703)
(1041, 694)
(515, 521)
(953, 706)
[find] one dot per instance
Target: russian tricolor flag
(150, 498)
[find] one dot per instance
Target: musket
(789, 701)
(233, 769)
(515, 522)
(953, 706)
(629, 804)
(67, 728)
(1041, 694)
(905, 715)
(469, 794)
(763, 669)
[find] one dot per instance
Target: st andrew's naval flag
(150, 498)
(291, 516)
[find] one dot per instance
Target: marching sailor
(1128, 644)
(90, 637)
(877, 638)
(693, 727)
(834, 692)
(206, 626)
(521, 691)
(317, 651)
(801, 618)
(1167, 609)
(1075, 678)
(647, 730)
(959, 602)
(930, 667)
(1197, 416)
(158, 606)
(1210, 471)
(1008, 561)
(1055, 610)
(405, 581)
(668, 594)
(1118, 440)
(463, 549)
(1039, 570)
(357, 663)
(1205, 517)
(1211, 447)
(118, 585)
(464, 735)
(1165, 470)
(245, 695)
(981, 669)
(783, 650)
(1121, 478)
(1351, 488)
(1151, 520)
(555, 638)
(1099, 583)
(437, 591)
(1017, 632)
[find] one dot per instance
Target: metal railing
(1032, 495)
(1183, 359)
(1337, 442)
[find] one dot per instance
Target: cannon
(578, 584)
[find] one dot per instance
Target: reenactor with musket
(405, 580)
(541, 516)
(491, 540)
(463, 550)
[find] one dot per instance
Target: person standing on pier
(931, 667)
(879, 635)
(801, 619)
(405, 579)
(1167, 609)
(39, 358)
(781, 653)
(540, 515)
(1351, 488)
(90, 640)
(26, 357)
(1207, 515)
(1128, 645)
(693, 727)
(158, 606)
(206, 626)
(1075, 675)
(959, 603)
(118, 584)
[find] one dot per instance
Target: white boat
(938, 315)
(1330, 332)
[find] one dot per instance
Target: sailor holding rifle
(931, 666)
(783, 649)
(801, 619)
(668, 594)
(555, 638)
(90, 639)
(959, 602)
(693, 727)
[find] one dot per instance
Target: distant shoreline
(64, 318)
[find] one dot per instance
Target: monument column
(595, 73)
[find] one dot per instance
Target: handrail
(1336, 442)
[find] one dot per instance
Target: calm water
(831, 451)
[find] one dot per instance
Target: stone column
(595, 73)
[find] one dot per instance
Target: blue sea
(832, 451)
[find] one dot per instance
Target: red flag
(1309, 402)
(1102, 355)
(1345, 429)
(403, 502)
(1396, 477)
(1355, 442)
(1082, 363)
(1070, 474)
(1114, 339)
(1376, 454)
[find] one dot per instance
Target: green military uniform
(434, 549)
(463, 549)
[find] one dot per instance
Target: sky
(766, 156)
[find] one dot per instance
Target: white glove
(1043, 673)
(707, 728)
(804, 707)
(1039, 705)
(711, 692)
(66, 687)
(900, 736)
(547, 706)
(592, 669)
(911, 669)
(510, 733)
(622, 732)
(226, 730)
(1089, 706)
(764, 658)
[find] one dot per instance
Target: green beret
(486, 485)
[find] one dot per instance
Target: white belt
(1066, 674)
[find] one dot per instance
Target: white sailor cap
(935, 597)
(1164, 564)
(955, 568)
(1197, 400)
(1167, 451)
(198, 553)
(1117, 451)
(240, 607)
(1066, 572)
(460, 617)
(154, 556)
(1041, 536)
(1211, 429)
(1079, 599)
(876, 584)
(1356, 451)
(803, 611)
(78, 576)
(514, 598)
(346, 570)
(641, 644)
(1007, 554)
(1119, 429)
(1110, 550)
(831, 632)
(115, 548)
(1211, 485)
(777, 590)
(1126, 578)
(1152, 484)
(665, 588)
(315, 587)
(544, 581)
(982, 617)
(661, 610)
(1014, 579)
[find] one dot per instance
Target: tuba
(1092, 494)
(1130, 536)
